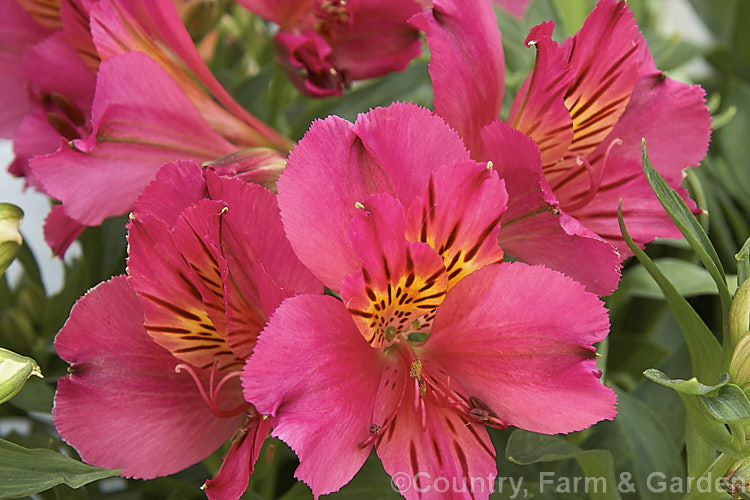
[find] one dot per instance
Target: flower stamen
(211, 398)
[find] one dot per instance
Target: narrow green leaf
(14, 371)
(705, 351)
(526, 447)
(690, 228)
(27, 471)
(10, 238)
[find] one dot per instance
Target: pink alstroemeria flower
(433, 338)
(587, 104)
(150, 108)
(155, 356)
(324, 45)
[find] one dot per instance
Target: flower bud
(739, 367)
(739, 313)
(14, 371)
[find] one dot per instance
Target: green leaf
(705, 351)
(27, 471)
(10, 238)
(704, 421)
(14, 371)
(640, 444)
(729, 406)
(572, 13)
(690, 228)
(689, 279)
(526, 447)
(691, 387)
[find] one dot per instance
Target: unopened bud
(739, 367)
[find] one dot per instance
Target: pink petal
(175, 295)
(392, 150)
(263, 267)
(18, 32)
(467, 67)
(459, 217)
(534, 228)
(539, 108)
(139, 124)
(119, 26)
(378, 39)
(60, 231)
(314, 373)
(527, 352)
(124, 406)
(74, 17)
(34, 136)
(672, 116)
(281, 12)
(644, 215)
(399, 281)
(176, 186)
(317, 192)
(54, 66)
(449, 447)
(604, 57)
(231, 480)
(252, 227)
(197, 236)
(407, 143)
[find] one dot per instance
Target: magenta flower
(587, 104)
(155, 356)
(433, 338)
(324, 45)
(95, 154)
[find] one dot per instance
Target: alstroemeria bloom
(155, 356)
(433, 338)
(587, 104)
(324, 45)
(157, 106)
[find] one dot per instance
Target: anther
(416, 369)
(359, 205)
